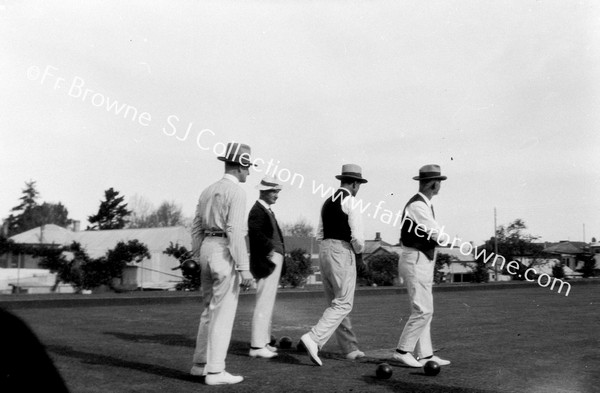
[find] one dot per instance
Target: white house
(154, 272)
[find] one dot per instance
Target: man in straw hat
(218, 243)
(266, 262)
(342, 238)
(419, 237)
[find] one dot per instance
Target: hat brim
(430, 178)
(224, 159)
(268, 188)
(353, 178)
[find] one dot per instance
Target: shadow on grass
(239, 348)
(178, 340)
(105, 360)
(395, 385)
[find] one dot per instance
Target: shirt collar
(265, 204)
(427, 201)
(231, 177)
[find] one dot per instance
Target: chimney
(377, 236)
(76, 224)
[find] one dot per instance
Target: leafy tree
(442, 259)
(513, 242)
(301, 228)
(589, 265)
(103, 270)
(181, 253)
(558, 271)
(112, 212)
(383, 269)
(297, 269)
(143, 215)
(65, 262)
(29, 214)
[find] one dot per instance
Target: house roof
(372, 245)
(47, 234)
(565, 248)
(96, 243)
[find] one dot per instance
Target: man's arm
(236, 228)
(356, 224)
(197, 232)
(320, 229)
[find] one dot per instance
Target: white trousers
(266, 292)
(417, 271)
(338, 269)
(220, 285)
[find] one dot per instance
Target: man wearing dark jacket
(266, 263)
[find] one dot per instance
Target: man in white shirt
(218, 243)
(342, 238)
(419, 237)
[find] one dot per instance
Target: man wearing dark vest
(266, 262)
(342, 238)
(419, 237)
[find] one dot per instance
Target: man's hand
(247, 279)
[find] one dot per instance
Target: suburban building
(155, 272)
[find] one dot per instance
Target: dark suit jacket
(260, 234)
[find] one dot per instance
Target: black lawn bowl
(383, 371)
(285, 342)
(431, 368)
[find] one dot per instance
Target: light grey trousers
(338, 269)
(266, 292)
(220, 285)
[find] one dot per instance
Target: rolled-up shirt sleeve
(351, 208)
(237, 229)
(320, 229)
(197, 232)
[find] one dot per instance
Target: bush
(297, 269)
(558, 271)
(383, 269)
(189, 283)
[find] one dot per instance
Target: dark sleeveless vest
(409, 231)
(335, 221)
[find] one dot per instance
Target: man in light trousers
(419, 237)
(266, 263)
(342, 238)
(218, 242)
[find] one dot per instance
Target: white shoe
(271, 348)
(312, 348)
(262, 353)
(407, 359)
(223, 378)
(198, 371)
(356, 354)
(436, 359)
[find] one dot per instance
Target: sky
(140, 96)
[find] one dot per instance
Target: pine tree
(112, 212)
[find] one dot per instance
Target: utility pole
(495, 245)
(584, 232)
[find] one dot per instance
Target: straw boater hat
(237, 153)
(269, 183)
(430, 172)
(351, 172)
